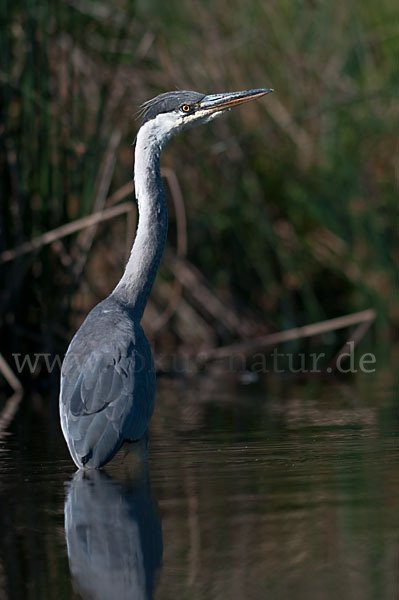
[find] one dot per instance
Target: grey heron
(107, 377)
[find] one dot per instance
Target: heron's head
(168, 114)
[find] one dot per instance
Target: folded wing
(107, 396)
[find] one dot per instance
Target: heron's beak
(218, 102)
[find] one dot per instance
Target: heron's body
(109, 384)
(107, 378)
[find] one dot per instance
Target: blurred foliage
(291, 200)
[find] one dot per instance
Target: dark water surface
(272, 491)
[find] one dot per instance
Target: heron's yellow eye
(186, 108)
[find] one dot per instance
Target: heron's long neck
(140, 272)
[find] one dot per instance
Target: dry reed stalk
(120, 194)
(365, 316)
(64, 230)
(9, 375)
(8, 412)
(354, 339)
(193, 281)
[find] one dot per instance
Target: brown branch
(366, 316)
(195, 284)
(120, 194)
(64, 230)
(355, 339)
(9, 375)
(8, 412)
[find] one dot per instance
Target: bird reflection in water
(113, 536)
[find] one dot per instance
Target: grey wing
(107, 396)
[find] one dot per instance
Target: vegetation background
(291, 201)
